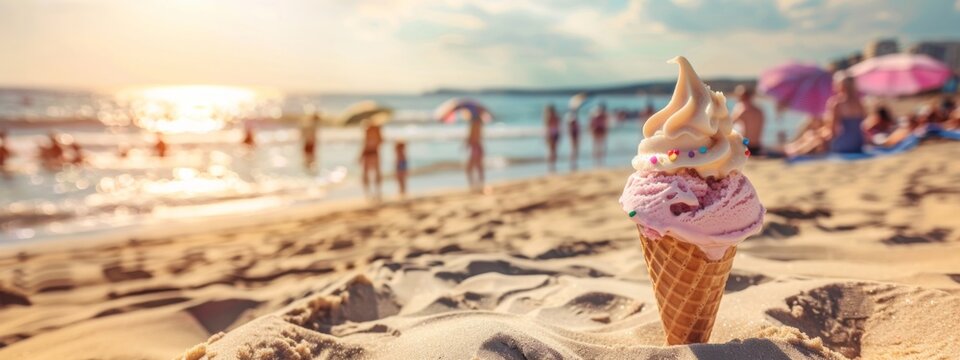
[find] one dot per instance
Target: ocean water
(208, 172)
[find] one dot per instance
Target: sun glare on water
(192, 109)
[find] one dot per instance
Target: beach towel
(908, 143)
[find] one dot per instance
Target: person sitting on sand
(370, 158)
(953, 122)
(552, 123)
(402, 167)
(573, 127)
(879, 125)
(810, 139)
(474, 143)
(749, 117)
(845, 115)
(598, 127)
(945, 109)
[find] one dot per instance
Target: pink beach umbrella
(450, 109)
(798, 86)
(900, 74)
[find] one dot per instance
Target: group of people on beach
(372, 178)
(598, 123)
(849, 126)
(58, 150)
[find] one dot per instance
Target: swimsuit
(476, 150)
(850, 140)
(401, 165)
(554, 134)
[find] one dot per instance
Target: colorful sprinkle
(672, 156)
(691, 154)
(703, 149)
(653, 159)
(746, 141)
(747, 153)
(632, 213)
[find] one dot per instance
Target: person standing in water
(750, 118)
(160, 147)
(5, 152)
(845, 115)
(370, 158)
(475, 146)
(552, 123)
(402, 167)
(573, 127)
(598, 126)
(308, 133)
(249, 139)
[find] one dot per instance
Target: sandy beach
(856, 260)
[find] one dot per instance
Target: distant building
(946, 51)
(845, 62)
(880, 47)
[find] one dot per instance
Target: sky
(417, 45)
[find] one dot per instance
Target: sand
(856, 260)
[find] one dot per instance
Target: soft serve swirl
(696, 117)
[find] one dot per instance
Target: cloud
(712, 16)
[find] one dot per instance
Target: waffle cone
(688, 287)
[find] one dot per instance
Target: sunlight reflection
(191, 109)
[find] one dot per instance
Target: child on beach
(401, 170)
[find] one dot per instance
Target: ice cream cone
(688, 286)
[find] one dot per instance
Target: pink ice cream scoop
(712, 214)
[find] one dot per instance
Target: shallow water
(209, 173)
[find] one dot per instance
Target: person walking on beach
(573, 127)
(401, 170)
(749, 117)
(845, 115)
(598, 126)
(552, 123)
(475, 146)
(370, 158)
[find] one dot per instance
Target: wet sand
(858, 259)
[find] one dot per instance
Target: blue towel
(905, 145)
